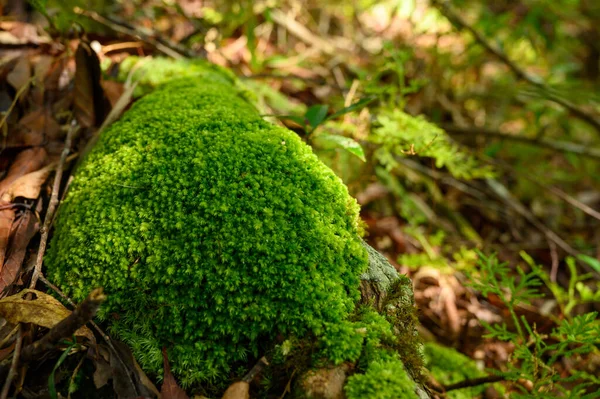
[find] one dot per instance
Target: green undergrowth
(449, 366)
(212, 231)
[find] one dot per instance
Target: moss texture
(211, 230)
(385, 378)
(449, 366)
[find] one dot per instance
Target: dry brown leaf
(170, 389)
(29, 185)
(26, 227)
(89, 100)
(237, 390)
(41, 120)
(27, 161)
(18, 32)
(7, 216)
(20, 75)
(44, 310)
(113, 90)
(129, 381)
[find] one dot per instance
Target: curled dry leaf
(29, 185)
(170, 389)
(26, 162)
(89, 100)
(24, 229)
(43, 310)
(129, 381)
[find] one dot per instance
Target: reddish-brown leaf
(29, 185)
(7, 216)
(27, 161)
(24, 228)
(113, 90)
(170, 389)
(89, 100)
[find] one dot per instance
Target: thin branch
(45, 230)
(534, 80)
(301, 32)
(474, 382)
(258, 367)
(12, 372)
(165, 48)
(104, 336)
(561, 146)
(82, 314)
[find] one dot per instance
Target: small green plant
(316, 115)
(536, 355)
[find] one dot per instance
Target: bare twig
(474, 382)
(301, 32)
(165, 48)
(561, 146)
(66, 327)
(534, 80)
(104, 336)
(45, 230)
(12, 372)
(258, 367)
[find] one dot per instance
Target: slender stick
(67, 326)
(12, 372)
(163, 48)
(45, 230)
(474, 382)
(561, 146)
(534, 80)
(104, 336)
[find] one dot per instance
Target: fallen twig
(166, 48)
(104, 336)
(474, 382)
(45, 230)
(12, 372)
(82, 314)
(534, 80)
(258, 367)
(561, 146)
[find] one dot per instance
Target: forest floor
(520, 188)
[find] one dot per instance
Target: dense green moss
(385, 378)
(449, 366)
(212, 231)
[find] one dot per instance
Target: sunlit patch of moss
(212, 231)
(385, 378)
(449, 366)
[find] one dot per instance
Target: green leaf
(346, 143)
(351, 108)
(315, 115)
(591, 262)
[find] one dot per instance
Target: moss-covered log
(214, 233)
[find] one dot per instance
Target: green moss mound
(385, 378)
(449, 366)
(211, 230)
